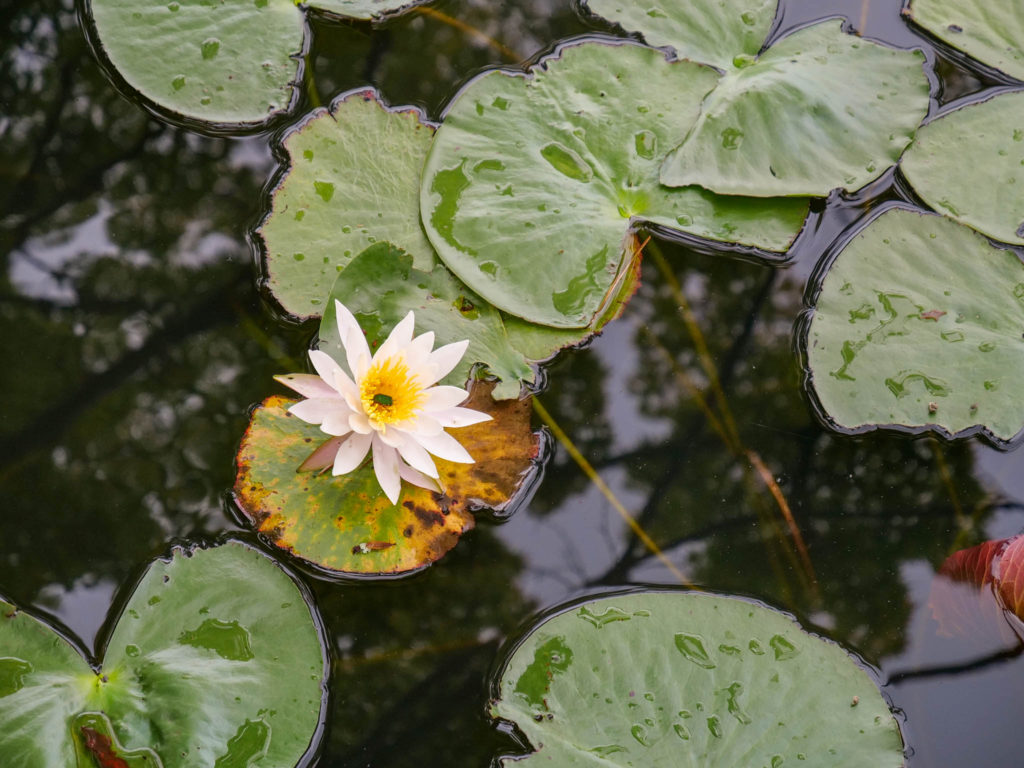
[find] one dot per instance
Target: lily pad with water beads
(690, 679)
(345, 525)
(919, 324)
(969, 165)
(991, 31)
(223, 63)
(216, 659)
(534, 182)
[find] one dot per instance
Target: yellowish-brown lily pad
(345, 524)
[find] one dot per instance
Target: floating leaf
(662, 679)
(381, 285)
(228, 62)
(919, 324)
(975, 585)
(364, 9)
(781, 127)
(724, 34)
(969, 165)
(346, 524)
(533, 182)
(197, 672)
(352, 180)
(992, 31)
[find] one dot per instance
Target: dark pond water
(135, 340)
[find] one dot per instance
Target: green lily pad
(533, 183)
(381, 285)
(969, 165)
(196, 673)
(919, 324)
(364, 9)
(718, 32)
(353, 180)
(662, 678)
(230, 62)
(992, 31)
(781, 127)
(345, 524)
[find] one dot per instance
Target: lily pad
(197, 673)
(779, 126)
(661, 678)
(352, 180)
(533, 183)
(969, 165)
(364, 9)
(918, 324)
(992, 31)
(230, 62)
(345, 524)
(723, 33)
(381, 285)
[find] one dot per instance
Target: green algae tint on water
(141, 324)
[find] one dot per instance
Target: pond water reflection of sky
(136, 340)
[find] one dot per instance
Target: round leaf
(691, 679)
(969, 165)
(345, 524)
(44, 681)
(781, 127)
(197, 672)
(363, 9)
(353, 179)
(381, 285)
(992, 31)
(230, 62)
(918, 324)
(716, 32)
(533, 182)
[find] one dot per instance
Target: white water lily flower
(387, 406)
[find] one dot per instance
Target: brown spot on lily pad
(334, 522)
(932, 314)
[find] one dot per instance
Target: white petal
(444, 359)
(392, 437)
(357, 351)
(348, 390)
(439, 398)
(351, 454)
(416, 456)
(360, 423)
(417, 353)
(444, 446)
(325, 366)
(460, 417)
(336, 423)
(398, 339)
(421, 424)
(306, 384)
(385, 466)
(322, 457)
(317, 409)
(417, 478)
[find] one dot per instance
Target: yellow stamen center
(389, 393)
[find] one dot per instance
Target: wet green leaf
(919, 323)
(992, 31)
(533, 182)
(969, 165)
(197, 672)
(346, 524)
(381, 285)
(230, 62)
(353, 180)
(724, 34)
(363, 9)
(664, 678)
(781, 127)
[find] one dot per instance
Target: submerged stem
(472, 31)
(595, 478)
